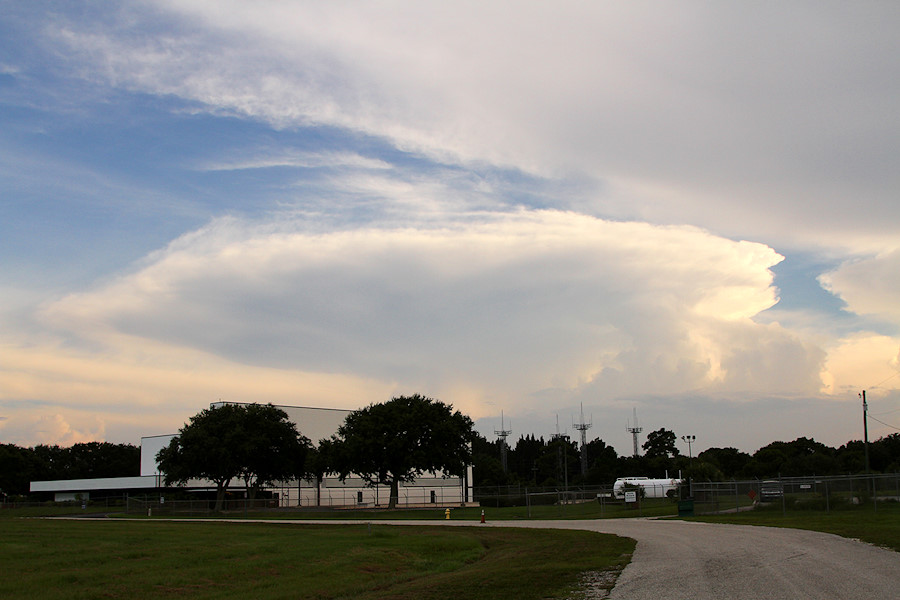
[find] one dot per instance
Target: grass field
(111, 558)
(881, 527)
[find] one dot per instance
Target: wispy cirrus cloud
(267, 159)
(726, 118)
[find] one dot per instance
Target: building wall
(353, 491)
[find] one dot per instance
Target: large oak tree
(249, 441)
(397, 441)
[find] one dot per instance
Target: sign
(630, 496)
(752, 494)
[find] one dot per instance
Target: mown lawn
(880, 527)
(113, 558)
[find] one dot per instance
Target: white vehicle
(653, 488)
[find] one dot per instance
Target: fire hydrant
(447, 514)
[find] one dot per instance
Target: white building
(314, 423)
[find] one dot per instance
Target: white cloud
(870, 286)
(862, 361)
(752, 121)
(34, 427)
(503, 306)
(265, 159)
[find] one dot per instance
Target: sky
(532, 211)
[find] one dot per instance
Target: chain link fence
(796, 493)
(713, 497)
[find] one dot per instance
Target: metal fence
(711, 497)
(796, 493)
(516, 495)
(199, 507)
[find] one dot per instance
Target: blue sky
(510, 207)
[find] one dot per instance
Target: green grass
(46, 510)
(881, 527)
(112, 558)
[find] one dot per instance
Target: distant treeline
(539, 462)
(530, 461)
(20, 466)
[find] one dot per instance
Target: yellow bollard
(447, 514)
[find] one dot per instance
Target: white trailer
(653, 488)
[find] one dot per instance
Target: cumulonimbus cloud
(504, 305)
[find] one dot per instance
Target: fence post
(874, 494)
(783, 496)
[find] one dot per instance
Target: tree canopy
(660, 443)
(397, 441)
(19, 466)
(249, 441)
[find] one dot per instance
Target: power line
(885, 424)
(890, 412)
(885, 381)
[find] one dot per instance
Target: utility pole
(502, 433)
(634, 431)
(866, 428)
(690, 439)
(583, 427)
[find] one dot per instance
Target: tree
(603, 460)
(731, 462)
(16, 470)
(397, 441)
(319, 462)
(220, 444)
(660, 443)
(274, 450)
(103, 459)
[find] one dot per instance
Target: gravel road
(682, 559)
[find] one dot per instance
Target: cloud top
(510, 304)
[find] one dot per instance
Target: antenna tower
(563, 439)
(634, 431)
(583, 427)
(502, 433)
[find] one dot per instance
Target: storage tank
(653, 488)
